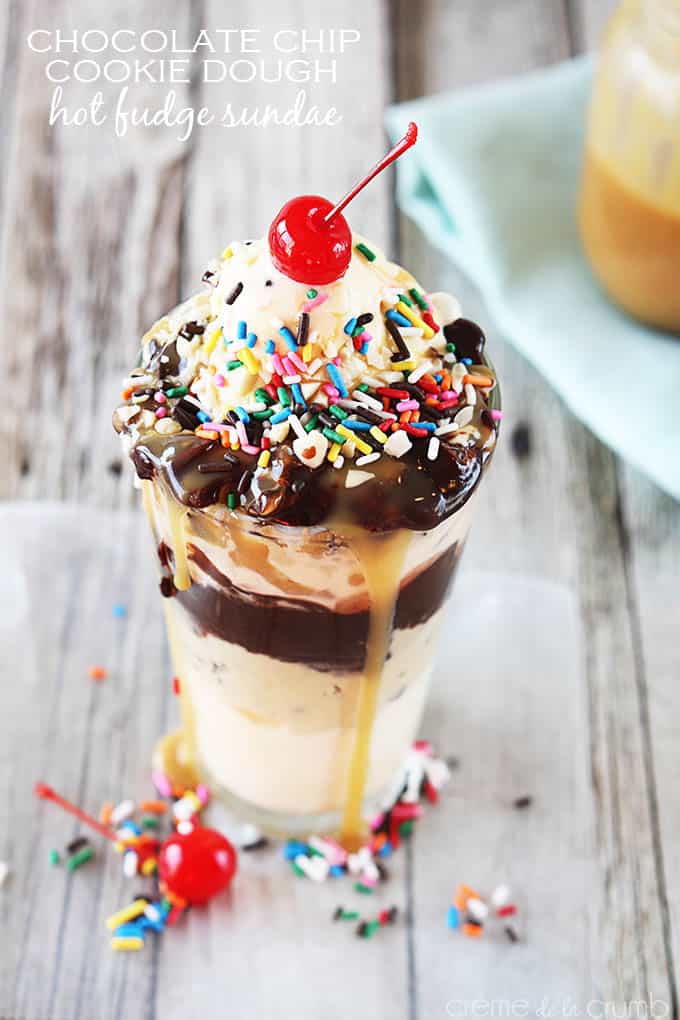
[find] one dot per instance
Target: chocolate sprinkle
(393, 330)
(303, 329)
(234, 294)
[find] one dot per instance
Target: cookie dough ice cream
(309, 458)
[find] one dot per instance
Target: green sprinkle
(261, 415)
(54, 858)
(177, 391)
(231, 500)
(166, 904)
(334, 437)
(311, 293)
(451, 348)
(349, 915)
(231, 365)
(283, 396)
(360, 887)
(338, 412)
(363, 387)
(297, 869)
(82, 857)
(406, 828)
(369, 928)
(312, 423)
(150, 822)
(418, 298)
(365, 251)
(407, 301)
(263, 396)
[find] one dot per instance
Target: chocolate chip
(520, 440)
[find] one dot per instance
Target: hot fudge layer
(308, 457)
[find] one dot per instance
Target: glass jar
(630, 191)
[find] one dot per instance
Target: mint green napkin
(493, 182)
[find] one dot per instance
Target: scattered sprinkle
(97, 673)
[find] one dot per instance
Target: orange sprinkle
(127, 392)
(473, 931)
(105, 813)
(463, 894)
(207, 434)
(405, 417)
(153, 807)
(225, 440)
(415, 416)
(446, 381)
(97, 673)
(478, 380)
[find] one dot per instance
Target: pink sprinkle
(203, 793)
(219, 380)
(448, 394)
(337, 361)
(377, 821)
(496, 415)
(248, 448)
(368, 880)
(162, 783)
(331, 390)
(314, 302)
(424, 747)
(161, 412)
(408, 405)
(216, 426)
(242, 434)
(297, 361)
(365, 337)
(278, 364)
(160, 397)
(289, 366)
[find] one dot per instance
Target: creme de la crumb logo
(128, 79)
(558, 1009)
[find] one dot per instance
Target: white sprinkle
(314, 366)
(290, 379)
(183, 809)
(368, 458)
(464, 417)
(477, 908)
(420, 371)
(296, 426)
(470, 394)
(500, 896)
(130, 862)
(4, 872)
(433, 448)
(316, 868)
(122, 812)
(257, 407)
(391, 377)
(367, 400)
(372, 381)
(338, 462)
(449, 358)
(398, 444)
(356, 478)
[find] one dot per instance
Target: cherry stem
(402, 145)
(46, 792)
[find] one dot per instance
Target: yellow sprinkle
(403, 366)
(333, 452)
(307, 353)
(235, 446)
(409, 314)
(246, 356)
(149, 866)
(377, 434)
(359, 443)
(130, 942)
(227, 253)
(264, 458)
(211, 342)
(126, 914)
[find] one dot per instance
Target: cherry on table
(197, 865)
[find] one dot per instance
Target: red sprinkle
(413, 430)
(175, 685)
(431, 792)
(427, 317)
(507, 911)
(387, 391)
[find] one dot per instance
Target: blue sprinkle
(252, 340)
(466, 361)
(202, 416)
(429, 425)
(242, 330)
(336, 379)
(270, 347)
(438, 377)
(243, 414)
(385, 850)
(400, 320)
(146, 924)
(350, 326)
(357, 426)
(288, 337)
(297, 393)
(336, 870)
(294, 847)
(364, 348)
(280, 416)
(131, 826)
(119, 610)
(453, 917)
(130, 928)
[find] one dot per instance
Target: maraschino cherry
(197, 865)
(194, 865)
(310, 240)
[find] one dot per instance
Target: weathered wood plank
(90, 256)
(560, 504)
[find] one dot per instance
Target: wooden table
(101, 236)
